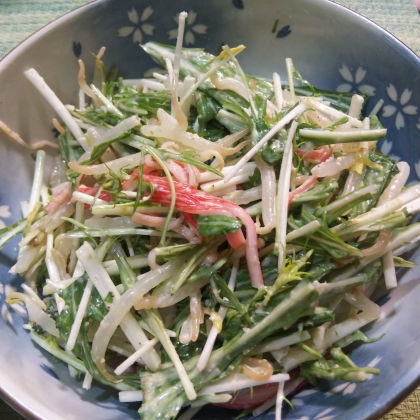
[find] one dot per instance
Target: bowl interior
(331, 46)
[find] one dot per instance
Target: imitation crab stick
(191, 200)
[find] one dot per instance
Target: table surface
(20, 18)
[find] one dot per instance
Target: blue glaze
(77, 49)
(283, 32)
(238, 4)
(49, 370)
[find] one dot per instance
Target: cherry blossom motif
(140, 27)
(417, 168)
(190, 28)
(323, 415)
(4, 213)
(386, 147)
(348, 387)
(345, 388)
(354, 82)
(400, 106)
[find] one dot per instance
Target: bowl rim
(13, 401)
(19, 405)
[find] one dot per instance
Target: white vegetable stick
(82, 100)
(133, 358)
(289, 386)
(38, 180)
(87, 381)
(156, 325)
(72, 371)
(309, 228)
(34, 296)
(35, 78)
(278, 91)
(109, 222)
(390, 274)
(339, 331)
(108, 104)
(279, 343)
(344, 283)
(356, 106)
(413, 207)
(377, 107)
(186, 86)
(88, 199)
(100, 233)
(240, 382)
(120, 287)
(289, 68)
(333, 166)
(53, 270)
(130, 396)
(334, 113)
(353, 182)
(268, 184)
(283, 195)
(128, 194)
(279, 400)
(130, 248)
(119, 129)
(178, 48)
(211, 338)
(126, 210)
(150, 83)
(295, 112)
(391, 191)
(96, 271)
(81, 310)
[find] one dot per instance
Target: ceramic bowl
(332, 47)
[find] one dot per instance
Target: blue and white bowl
(332, 47)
